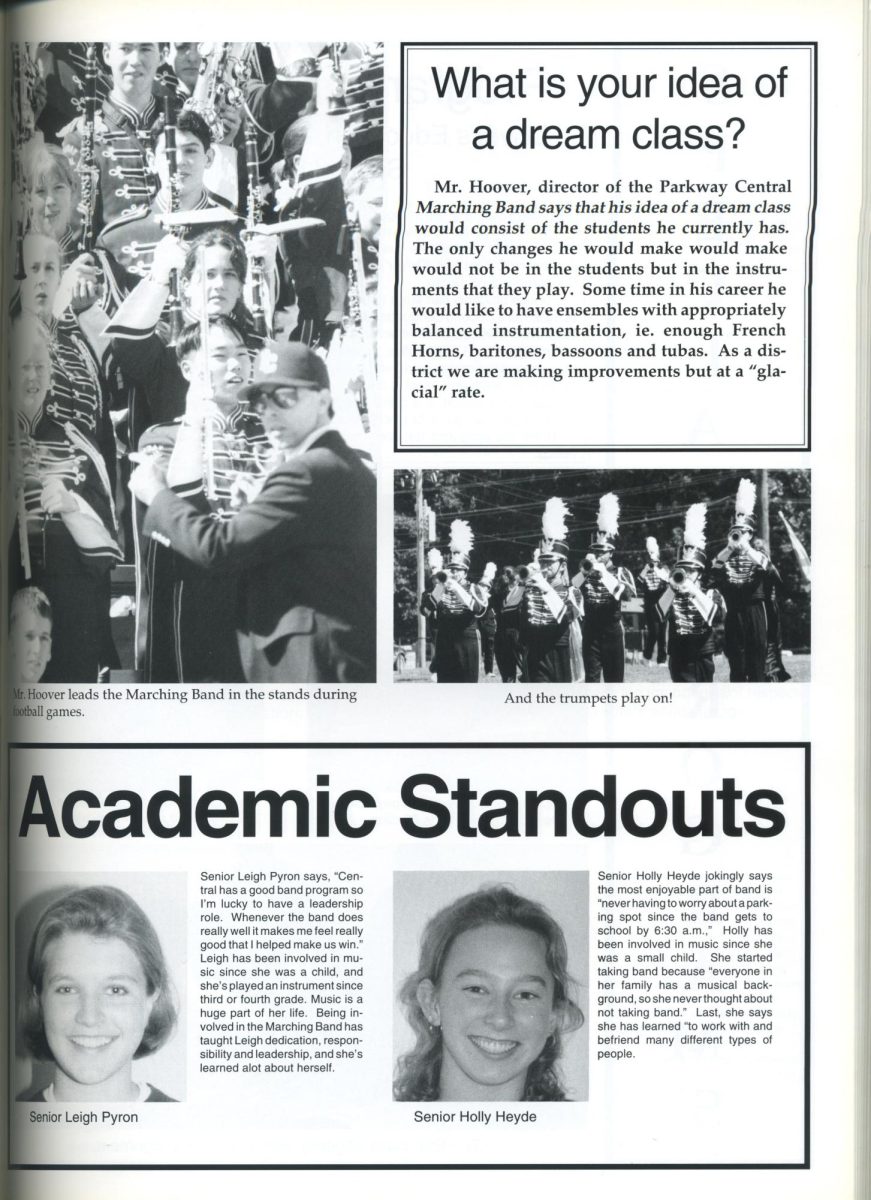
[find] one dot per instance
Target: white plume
(553, 522)
(434, 559)
(652, 546)
(462, 538)
(489, 574)
(745, 500)
(694, 528)
(608, 520)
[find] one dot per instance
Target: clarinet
(23, 124)
(361, 312)
(175, 311)
(20, 502)
(88, 163)
(252, 219)
(210, 485)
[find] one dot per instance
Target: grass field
(798, 665)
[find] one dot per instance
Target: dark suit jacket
(303, 554)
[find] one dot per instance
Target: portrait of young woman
(493, 999)
(96, 997)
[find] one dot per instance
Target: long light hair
(418, 1072)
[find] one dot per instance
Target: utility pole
(764, 525)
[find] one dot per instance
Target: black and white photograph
(491, 972)
(193, 367)
(100, 987)
(622, 576)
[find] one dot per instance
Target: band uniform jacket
(303, 555)
(690, 635)
(743, 582)
(71, 554)
(457, 657)
(185, 617)
(130, 240)
(121, 137)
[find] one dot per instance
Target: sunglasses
(283, 397)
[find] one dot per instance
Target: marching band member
(131, 239)
(29, 635)
(603, 586)
(652, 582)
(187, 619)
(212, 271)
(316, 258)
(551, 603)
(64, 541)
(121, 131)
(131, 272)
(53, 197)
(690, 612)
(301, 553)
(507, 600)
(456, 604)
(184, 59)
(78, 390)
(743, 570)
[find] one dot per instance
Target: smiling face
(51, 204)
(495, 1006)
(95, 1008)
(133, 66)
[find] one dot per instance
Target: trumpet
(678, 577)
(736, 537)
(441, 577)
(588, 565)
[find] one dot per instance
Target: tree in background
(504, 508)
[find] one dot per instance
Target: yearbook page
(504, 348)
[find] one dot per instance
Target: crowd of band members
(110, 304)
(539, 624)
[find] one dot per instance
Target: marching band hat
(285, 364)
(745, 503)
(462, 539)
(552, 544)
(692, 553)
(607, 524)
(692, 556)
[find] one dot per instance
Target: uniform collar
(138, 120)
(161, 203)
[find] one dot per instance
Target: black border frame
(404, 47)
(805, 747)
